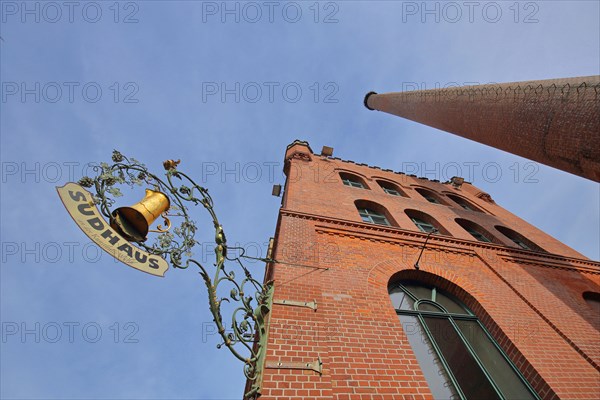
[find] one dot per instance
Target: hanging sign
(80, 204)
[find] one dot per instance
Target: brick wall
(530, 301)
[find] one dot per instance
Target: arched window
(374, 213)
(476, 231)
(464, 203)
(458, 356)
(353, 181)
(430, 196)
(391, 189)
(518, 239)
(425, 222)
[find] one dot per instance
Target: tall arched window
(458, 357)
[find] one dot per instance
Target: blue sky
(158, 65)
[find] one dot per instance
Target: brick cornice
(388, 234)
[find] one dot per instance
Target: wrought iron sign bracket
(316, 365)
(123, 233)
(308, 304)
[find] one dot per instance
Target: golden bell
(133, 223)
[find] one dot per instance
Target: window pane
(373, 217)
(495, 364)
(449, 304)
(350, 182)
(401, 300)
(420, 292)
(427, 228)
(422, 225)
(379, 220)
(467, 373)
(435, 374)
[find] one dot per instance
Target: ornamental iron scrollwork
(251, 301)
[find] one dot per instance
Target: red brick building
(496, 309)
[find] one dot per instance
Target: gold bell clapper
(133, 223)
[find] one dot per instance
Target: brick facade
(530, 301)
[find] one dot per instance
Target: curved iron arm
(248, 336)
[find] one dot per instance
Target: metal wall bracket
(316, 365)
(307, 304)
